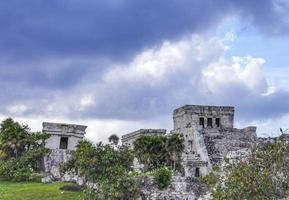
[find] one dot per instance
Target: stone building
(128, 139)
(209, 136)
(62, 141)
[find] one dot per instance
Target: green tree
(151, 151)
(175, 147)
(158, 151)
(263, 175)
(162, 177)
(114, 139)
(21, 151)
(108, 166)
(16, 139)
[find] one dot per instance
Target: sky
(121, 65)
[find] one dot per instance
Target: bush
(163, 177)
(24, 168)
(108, 166)
(263, 174)
(71, 187)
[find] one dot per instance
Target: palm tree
(114, 139)
(175, 147)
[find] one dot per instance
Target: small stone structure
(62, 141)
(128, 139)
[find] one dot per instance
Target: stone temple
(62, 141)
(209, 136)
(208, 132)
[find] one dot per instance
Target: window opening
(63, 142)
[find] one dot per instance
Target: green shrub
(109, 166)
(156, 151)
(21, 152)
(24, 168)
(162, 177)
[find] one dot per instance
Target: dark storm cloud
(116, 28)
(37, 35)
(113, 28)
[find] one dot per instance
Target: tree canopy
(157, 151)
(21, 151)
(263, 175)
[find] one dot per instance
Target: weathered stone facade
(62, 141)
(209, 135)
(181, 188)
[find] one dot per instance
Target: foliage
(24, 168)
(21, 152)
(114, 139)
(157, 151)
(264, 174)
(16, 139)
(124, 188)
(162, 177)
(106, 165)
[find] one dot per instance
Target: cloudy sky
(121, 65)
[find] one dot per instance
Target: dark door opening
(63, 143)
(202, 122)
(197, 172)
(210, 122)
(218, 122)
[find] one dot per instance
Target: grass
(35, 191)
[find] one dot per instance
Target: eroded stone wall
(73, 134)
(181, 188)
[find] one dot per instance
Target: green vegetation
(157, 151)
(107, 165)
(110, 166)
(162, 177)
(263, 175)
(21, 152)
(35, 191)
(114, 139)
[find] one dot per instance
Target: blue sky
(120, 65)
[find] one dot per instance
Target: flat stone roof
(143, 132)
(63, 128)
(204, 108)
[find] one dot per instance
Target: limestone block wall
(53, 142)
(221, 142)
(189, 116)
(181, 188)
(72, 135)
(52, 162)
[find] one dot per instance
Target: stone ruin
(209, 136)
(62, 141)
(208, 132)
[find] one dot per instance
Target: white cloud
(158, 64)
(193, 70)
(16, 109)
(86, 102)
(245, 72)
